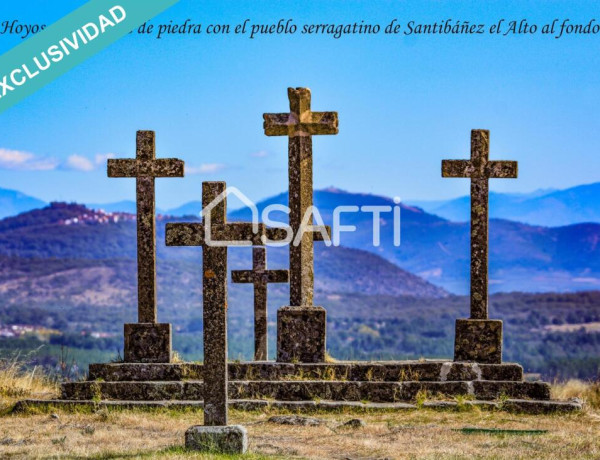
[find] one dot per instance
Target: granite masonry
(301, 326)
(479, 338)
(146, 341)
(214, 287)
(259, 276)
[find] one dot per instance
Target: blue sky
(404, 102)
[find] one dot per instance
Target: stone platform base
(354, 371)
(147, 343)
(300, 385)
(525, 406)
(306, 390)
(217, 439)
(301, 333)
(478, 340)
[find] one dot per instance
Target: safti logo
(313, 212)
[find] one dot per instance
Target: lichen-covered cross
(480, 169)
(300, 124)
(214, 288)
(260, 277)
(145, 168)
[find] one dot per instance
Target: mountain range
(523, 257)
(13, 203)
(548, 208)
(71, 232)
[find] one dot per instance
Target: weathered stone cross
(214, 288)
(147, 341)
(480, 169)
(260, 277)
(300, 125)
(301, 327)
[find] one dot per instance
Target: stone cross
(300, 125)
(480, 169)
(479, 339)
(260, 277)
(214, 288)
(146, 341)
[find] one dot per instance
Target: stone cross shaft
(300, 124)
(480, 169)
(145, 168)
(260, 277)
(214, 289)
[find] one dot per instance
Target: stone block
(217, 439)
(301, 334)
(528, 406)
(478, 340)
(148, 343)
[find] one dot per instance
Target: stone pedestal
(478, 340)
(301, 334)
(217, 439)
(148, 343)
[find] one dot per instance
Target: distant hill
(73, 232)
(549, 208)
(522, 257)
(13, 202)
(118, 206)
(192, 208)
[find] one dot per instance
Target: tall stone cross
(214, 288)
(146, 341)
(260, 277)
(479, 169)
(300, 125)
(301, 331)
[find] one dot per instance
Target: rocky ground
(418, 434)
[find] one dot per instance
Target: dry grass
(18, 382)
(588, 392)
(423, 433)
(415, 434)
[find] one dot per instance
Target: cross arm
(122, 168)
(194, 234)
(457, 168)
(162, 167)
(184, 234)
(287, 124)
(242, 276)
(277, 124)
(502, 169)
(239, 231)
(279, 234)
(322, 123)
(278, 276)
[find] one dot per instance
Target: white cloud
(20, 160)
(25, 161)
(206, 168)
(260, 154)
(81, 163)
(100, 158)
(78, 163)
